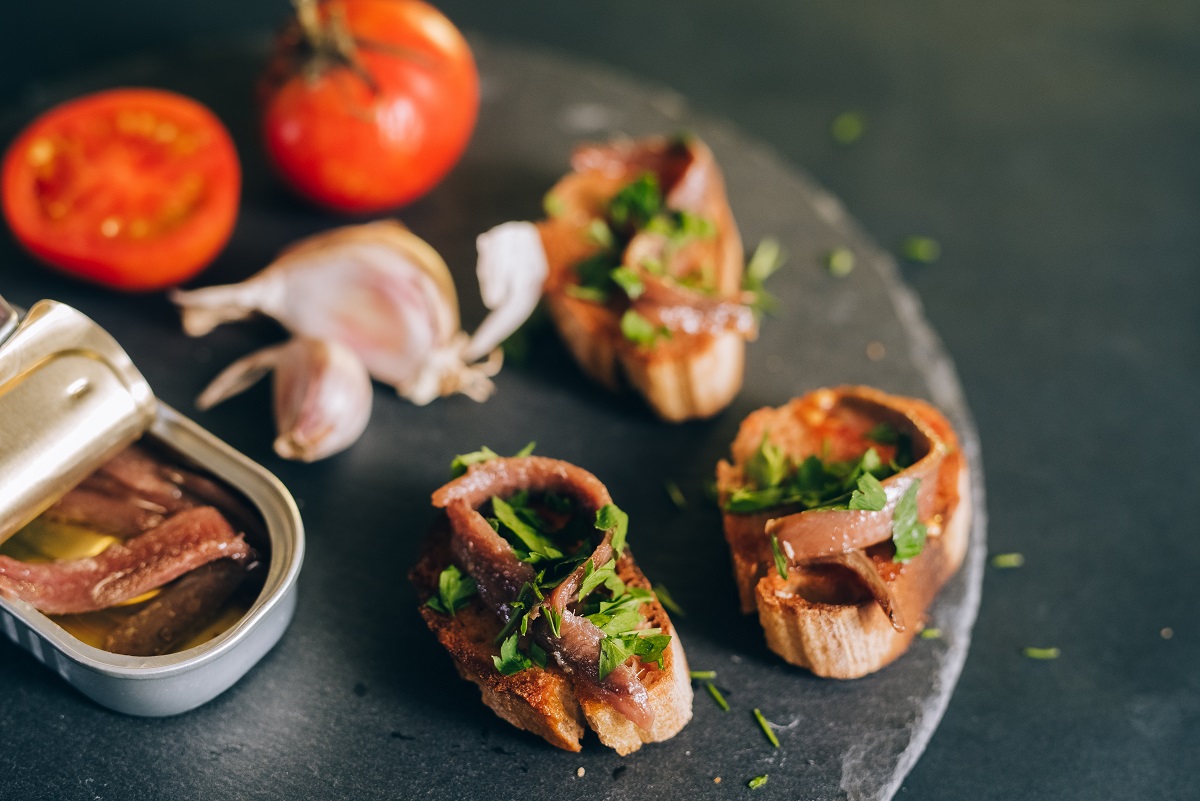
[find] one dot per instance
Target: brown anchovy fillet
(817, 533)
(862, 566)
(182, 608)
(491, 561)
(125, 570)
(102, 511)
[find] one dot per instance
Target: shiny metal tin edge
(174, 683)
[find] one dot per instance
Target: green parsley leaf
(702, 674)
(537, 655)
(611, 518)
(908, 533)
(554, 620)
(590, 294)
(757, 781)
(526, 451)
(641, 331)
(537, 544)
(599, 233)
(511, 660)
(1041, 653)
(553, 205)
(931, 634)
(465, 460)
(869, 497)
(1007, 561)
(768, 467)
(781, 562)
(839, 262)
(675, 494)
(766, 259)
(664, 598)
(636, 203)
(613, 653)
(766, 727)
(454, 591)
(716, 694)
(594, 576)
(629, 281)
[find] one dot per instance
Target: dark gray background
(1054, 151)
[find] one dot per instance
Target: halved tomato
(131, 188)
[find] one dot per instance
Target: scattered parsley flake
(1041, 653)
(931, 634)
(454, 591)
(757, 781)
(766, 259)
(908, 532)
(702, 674)
(664, 598)
(675, 494)
(848, 127)
(922, 249)
(553, 205)
(636, 203)
(716, 694)
(766, 727)
(781, 562)
(1006, 561)
(517, 520)
(485, 454)
(839, 262)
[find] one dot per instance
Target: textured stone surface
(358, 701)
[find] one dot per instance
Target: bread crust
(820, 618)
(543, 700)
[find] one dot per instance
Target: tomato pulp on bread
(131, 188)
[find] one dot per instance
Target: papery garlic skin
(322, 395)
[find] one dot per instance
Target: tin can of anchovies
(70, 399)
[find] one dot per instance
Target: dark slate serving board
(358, 701)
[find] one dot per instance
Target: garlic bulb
(384, 293)
(322, 395)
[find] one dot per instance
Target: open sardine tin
(70, 398)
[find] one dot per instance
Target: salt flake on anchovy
(387, 295)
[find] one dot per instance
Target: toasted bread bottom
(692, 378)
(543, 700)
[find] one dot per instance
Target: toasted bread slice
(685, 375)
(543, 700)
(822, 617)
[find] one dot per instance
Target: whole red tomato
(368, 103)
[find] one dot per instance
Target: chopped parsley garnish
(1007, 561)
(766, 727)
(931, 634)
(511, 660)
(639, 330)
(766, 259)
(848, 127)
(553, 205)
(454, 591)
(1041, 653)
(600, 234)
(485, 454)
(716, 694)
(812, 484)
(647, 646)
(636, 203)
(757, 781)
(523, 523)
(869, 497)
(908, 532)
(594, 576)
(629, 281)
(675, 494)
(781, 562)
(664, 598)
(702, 674)
(884, 434)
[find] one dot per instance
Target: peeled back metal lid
(70, 399)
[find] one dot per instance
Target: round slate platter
(358, 701)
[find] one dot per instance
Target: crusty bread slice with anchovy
(823, 617)
(542, 700)
(696, 370)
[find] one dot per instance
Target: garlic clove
(322, 395)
